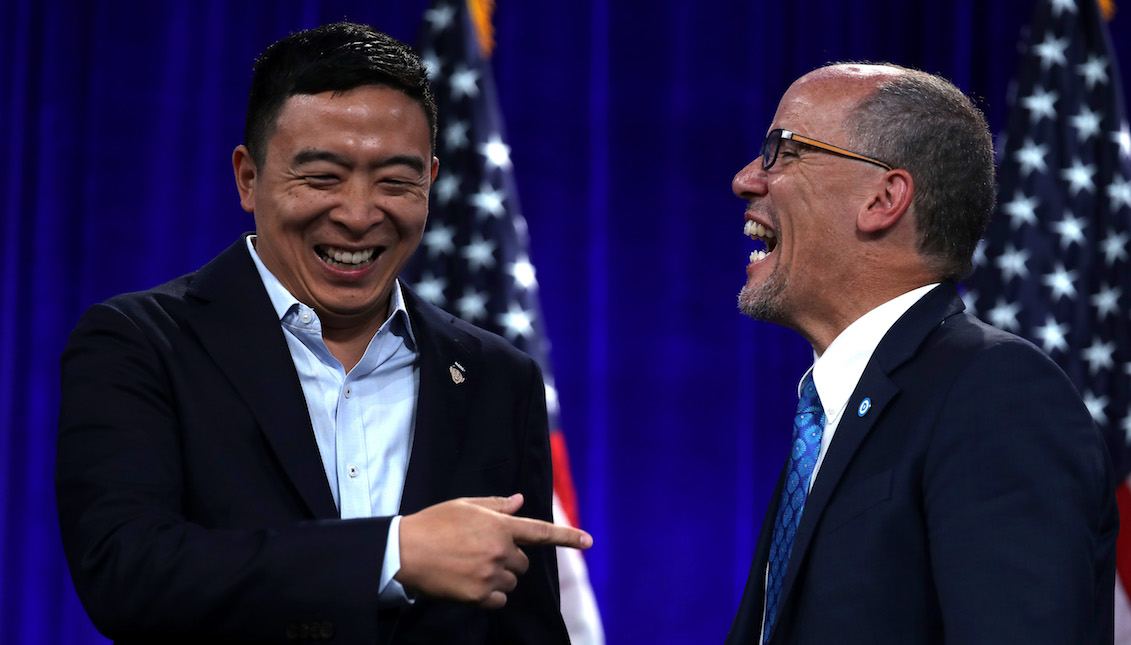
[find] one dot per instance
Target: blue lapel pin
(865, 405)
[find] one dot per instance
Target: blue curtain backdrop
(627, 121)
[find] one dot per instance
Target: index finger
(526, 531)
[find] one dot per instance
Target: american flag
(474, 258)
(1054, 265)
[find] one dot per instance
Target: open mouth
(760, 233)
(345, 259)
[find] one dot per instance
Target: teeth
(348, 257)
(759, 232)
(755, 230)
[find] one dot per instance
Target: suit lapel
(239, 329)
(450, 374)
(747, 624)
(898, 346)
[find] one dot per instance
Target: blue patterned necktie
(808, 426)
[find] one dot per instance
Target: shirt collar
(283, 301)
(837, 372)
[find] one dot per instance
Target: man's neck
(347, 340)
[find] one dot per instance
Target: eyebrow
(311, 155)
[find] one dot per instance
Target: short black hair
(332, 58)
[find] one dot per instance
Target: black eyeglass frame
(776, 136)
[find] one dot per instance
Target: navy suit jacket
(971, 501)
(192, 500)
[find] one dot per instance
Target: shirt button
(306, 317)
(352, 470)
(349, 392)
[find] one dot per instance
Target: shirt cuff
(392, 593)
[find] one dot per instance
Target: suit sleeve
(142, 569)
(532, 614)
(1019, 505)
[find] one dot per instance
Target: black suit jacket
(192, 500)
(972, 502)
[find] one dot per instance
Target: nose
(357, 209)
(750, 181)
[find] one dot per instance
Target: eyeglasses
(772, 145)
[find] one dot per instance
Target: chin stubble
(763, 301)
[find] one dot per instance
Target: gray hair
(925, 125)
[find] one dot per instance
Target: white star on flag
(552, 398)
(1070, 229)
(1051, 51)
(498, 154)
(1087, 123)
(1094, 71)
(516, 322)
(970, 300)
(1062, 282)
(1123, 139)
(1051, 336)
(1114, 247)
(1098, 355)
(523, 272)
(445, 188)
(1022, 210)
(1004, 315)
(1041, 104)
(1096, 405)
(480, 253)
(488, 201)
(1079, 177)
(1060, 6)
(472, 305)
(465, 82)
(431, 64)
(1119, 192)
(431, 288)
(440, 17)
(1031, 157)
(1012, 263)
(980, 253)
(439, 240)
(1106, 301)
(455, 135)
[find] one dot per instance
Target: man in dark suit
(945, 484)
(288, 444)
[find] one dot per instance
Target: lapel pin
(457, 371)
(865, 405)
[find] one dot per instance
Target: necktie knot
(810, 402)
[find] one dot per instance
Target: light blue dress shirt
(363, 421)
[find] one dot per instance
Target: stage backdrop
(627, 121)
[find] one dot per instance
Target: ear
(246, 174)
(435, 169)
(888, 202)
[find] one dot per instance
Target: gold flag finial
(1107, 8)
(481, 11)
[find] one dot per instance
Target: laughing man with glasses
(945, 482)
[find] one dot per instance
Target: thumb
(505, 505)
